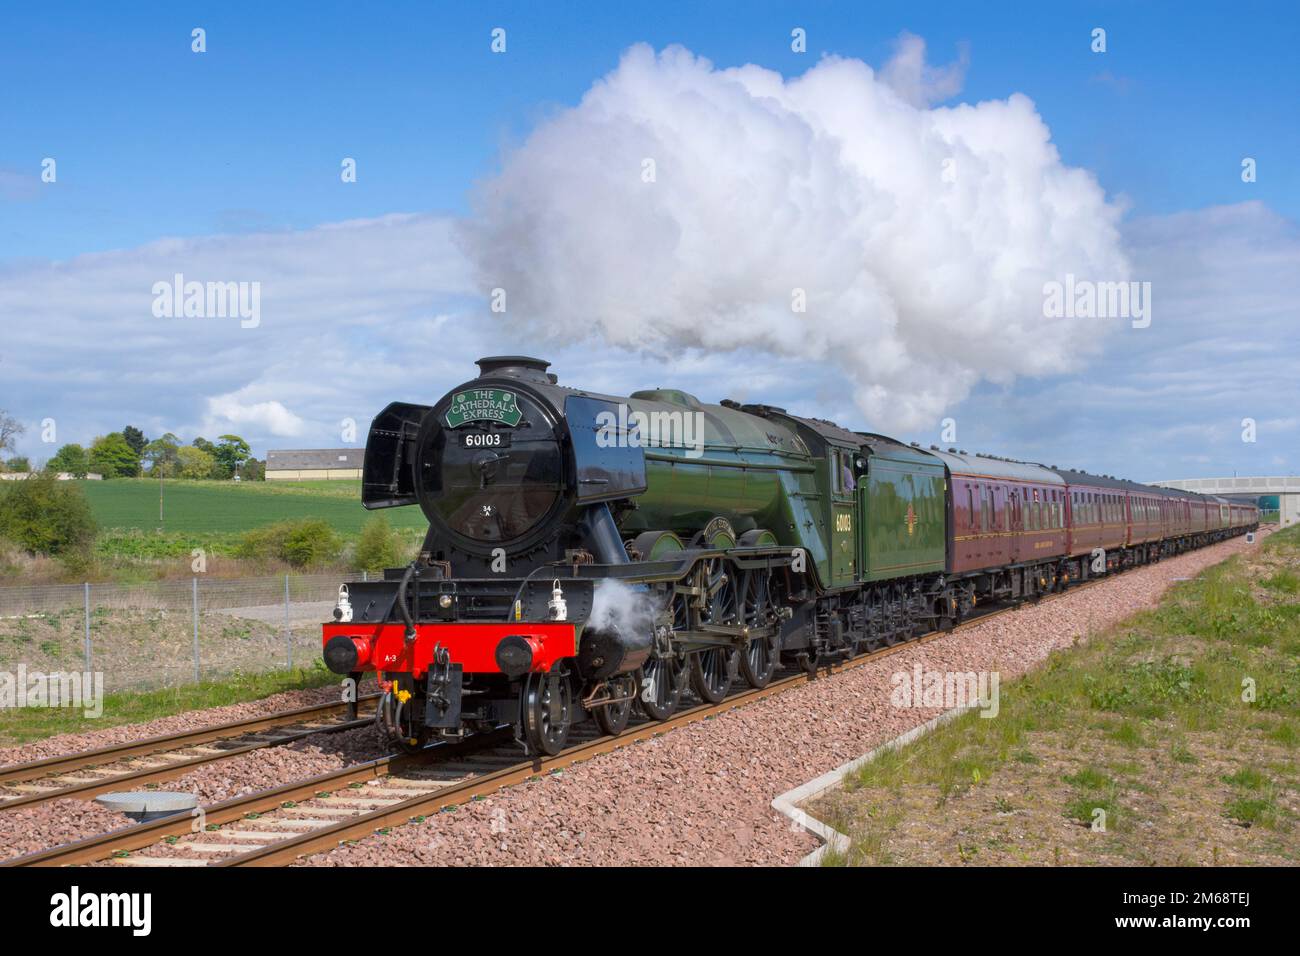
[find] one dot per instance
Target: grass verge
(1169, 740)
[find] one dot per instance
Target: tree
(45, 516)
(72, 459)
(194, 463)
(135, 438)
(231, 451)
(379, 546)
(10, 428)
(218, 471)
(19, 463)
(162, 456)
(112, 457)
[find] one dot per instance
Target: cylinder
(607, 651)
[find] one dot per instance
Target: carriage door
(1013, 537)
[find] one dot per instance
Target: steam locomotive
(588, 554)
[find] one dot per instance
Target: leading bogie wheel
(612, 718)
(547, 709)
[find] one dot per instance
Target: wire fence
(166, 633)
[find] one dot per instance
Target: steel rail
(51, 768)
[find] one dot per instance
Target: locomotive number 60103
(484, 439)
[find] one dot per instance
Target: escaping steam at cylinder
(619, 631)
(618, 607)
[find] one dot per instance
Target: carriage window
(970, 507)
(984, 508)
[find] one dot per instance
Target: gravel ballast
(701, 795)
(28, 829)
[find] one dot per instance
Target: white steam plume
(921, 237)
(617, 607)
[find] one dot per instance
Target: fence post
(365, 575)
(288, 635)
(89, 653)
(196, 629)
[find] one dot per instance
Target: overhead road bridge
(1286, 488)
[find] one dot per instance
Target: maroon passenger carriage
(1018, 529)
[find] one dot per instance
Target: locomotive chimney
(515, 366)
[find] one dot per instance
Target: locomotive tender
(577, 565)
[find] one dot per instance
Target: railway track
(166, 757)
(277, 826)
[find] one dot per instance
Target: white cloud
(346, 314)
(227, 412)
(1169, 399)
(917, 288)
(917, 82)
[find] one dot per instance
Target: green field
(227, 507)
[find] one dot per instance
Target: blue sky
(154, 142)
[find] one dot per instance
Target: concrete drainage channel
(788, 803)
(145, 805)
